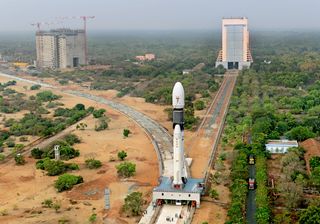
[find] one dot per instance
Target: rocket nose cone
(178, 96)
(177, 129)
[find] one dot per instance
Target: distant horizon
(19, 15)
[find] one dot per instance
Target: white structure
(179, 188)
(280, 146)
(61, 48)
(235, 53)
(56, 152)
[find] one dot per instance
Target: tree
(67, 181)
(133, 204)
(126, 169)
(79, 106)
(300, 133)
(126, 132)
(122, 155)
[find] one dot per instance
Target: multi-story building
(235, 53)
(61, 48)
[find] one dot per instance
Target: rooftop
(282, 142)
(192, 186)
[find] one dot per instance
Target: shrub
(72, 166)
(101, 124)
(213, 194)
(46, 96)
(126, 169)
(199, 105)
(35, 87)
(133, 204)
(93, 163)
(93, 218)
(2, 157)
(23, 139)
(47, 203)
(67, 181)
(36, 153)
(122, 155)
(126, 132)
(98, 113)
(19, 159)
(72, 139)
(54, 167)
(11, 144)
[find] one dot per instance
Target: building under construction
(61, 48)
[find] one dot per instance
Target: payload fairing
(179, 173)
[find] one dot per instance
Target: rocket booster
(178, 126)
(177, 151)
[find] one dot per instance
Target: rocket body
(178, 137)
(177, 162)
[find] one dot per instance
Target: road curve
(161, 139)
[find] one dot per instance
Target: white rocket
(179, 177)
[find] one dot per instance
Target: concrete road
(251, 199)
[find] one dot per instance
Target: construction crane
(38, 25)
(84, 19)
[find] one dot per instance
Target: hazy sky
(17, 15)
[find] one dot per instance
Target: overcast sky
(17, 15)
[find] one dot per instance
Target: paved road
(251, 199)
(160, 138)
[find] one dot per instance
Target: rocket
(179, 178)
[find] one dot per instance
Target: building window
(162, 194)
(189, 195)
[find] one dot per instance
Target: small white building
(280, 146)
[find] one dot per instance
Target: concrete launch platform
(191, 192)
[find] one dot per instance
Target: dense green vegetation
(55, 167)
(126, 169)
(133, 204)
(67, 181)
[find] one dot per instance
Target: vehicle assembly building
(61, 48)
(235, 53)
(178, 188)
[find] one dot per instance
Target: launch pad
(190, 194)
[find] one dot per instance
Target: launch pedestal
(189, 195)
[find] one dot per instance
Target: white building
(280, 146)
(62, 48)
(235, 53)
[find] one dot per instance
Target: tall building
(61, 48)
(235, 53)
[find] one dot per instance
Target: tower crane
(84, 19)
